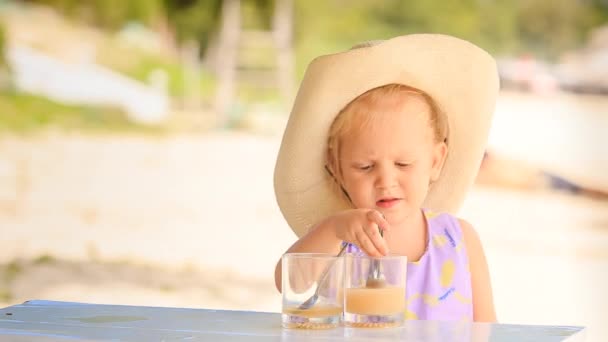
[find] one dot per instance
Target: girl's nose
(385, 178)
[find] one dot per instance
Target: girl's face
(389, 164)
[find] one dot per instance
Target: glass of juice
(374, 291)
(313, 287)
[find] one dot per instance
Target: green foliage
(44, 259)
(112, 14)
(257, 14)
(600, 12)
(5, 295)
(543, 27)
(548, 28)
(69, 7)
(2, 46)
(489, 24)
(190, 19)
(12, 270)
(194, 20)
(27, 113)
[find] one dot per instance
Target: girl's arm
(483, 300)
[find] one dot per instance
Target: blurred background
(138, 141)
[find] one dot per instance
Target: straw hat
(459, 76)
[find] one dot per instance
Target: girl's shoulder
(441, 222)
(455, 230)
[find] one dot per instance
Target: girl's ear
(330, 166)
(440, 152)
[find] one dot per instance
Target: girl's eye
(402, 164)
(364, 167)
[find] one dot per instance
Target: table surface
(40, 320)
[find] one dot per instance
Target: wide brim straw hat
(461, 78)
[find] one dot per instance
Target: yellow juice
(316, 311)
(375, 301)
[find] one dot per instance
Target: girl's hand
(362, 228)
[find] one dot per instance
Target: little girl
(389, 136)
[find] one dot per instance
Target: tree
(194, 20)
(549, 28)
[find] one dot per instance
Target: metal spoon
(313, 299)
(375, 279)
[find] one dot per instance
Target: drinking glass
(312, 286)
(374, 291)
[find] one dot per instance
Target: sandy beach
(178, 221)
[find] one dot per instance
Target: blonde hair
(359, 113)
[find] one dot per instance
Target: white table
(61, 321)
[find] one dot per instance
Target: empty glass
(312, 286)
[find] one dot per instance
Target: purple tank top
(438, 286)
